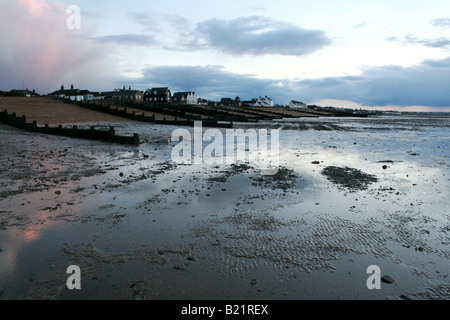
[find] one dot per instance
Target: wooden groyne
(74, 131)
(140, 116)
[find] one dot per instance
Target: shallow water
(141, 227)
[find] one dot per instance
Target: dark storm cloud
(255, 35)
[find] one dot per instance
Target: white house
(262, 102)
(297, 104)
(185, 97)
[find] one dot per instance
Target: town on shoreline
(164, 95)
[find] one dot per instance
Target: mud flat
(368, 192)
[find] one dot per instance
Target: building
(71, 94)
(158, 95)
(123, 95)
(185, 98)
(25, 93)
(260, 102)
(202, 102)
(297, 104)
(87, 95)
(230, 102)
(264, 102)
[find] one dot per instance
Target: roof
(162, 90)
(120, 93)
(70, 92)
(182, 94)
(298, 102)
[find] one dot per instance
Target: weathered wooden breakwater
(140, 116)
(75, 132)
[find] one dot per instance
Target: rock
(121, 174)
(387, 279)
(385, 167)
(58, 192)
(254, 282)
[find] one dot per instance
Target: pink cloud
(37, 48)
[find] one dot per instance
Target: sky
(390, 55)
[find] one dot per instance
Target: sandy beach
(51, 111)
(349, 193)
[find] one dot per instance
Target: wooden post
(112, 132)
(136, 139)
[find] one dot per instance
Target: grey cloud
(441, 22)
(424, 84)
(361, 25)
(128, 39)
(430, 43)
(256, 35)
(145, 20)
(156, 22)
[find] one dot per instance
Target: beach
(349, 193)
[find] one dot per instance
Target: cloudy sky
(385, 54)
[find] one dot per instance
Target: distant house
(202, 102)
(230, 102)
(98, 95)
(297, 104)
(185, 97)
(158, 95)
(87, 95)
(249, 103)
(123, 95)
(264, 102)
(72, 94)
(23, 93)
(226, 102)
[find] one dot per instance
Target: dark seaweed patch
(349, 178)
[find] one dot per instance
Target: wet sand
(350, 193)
